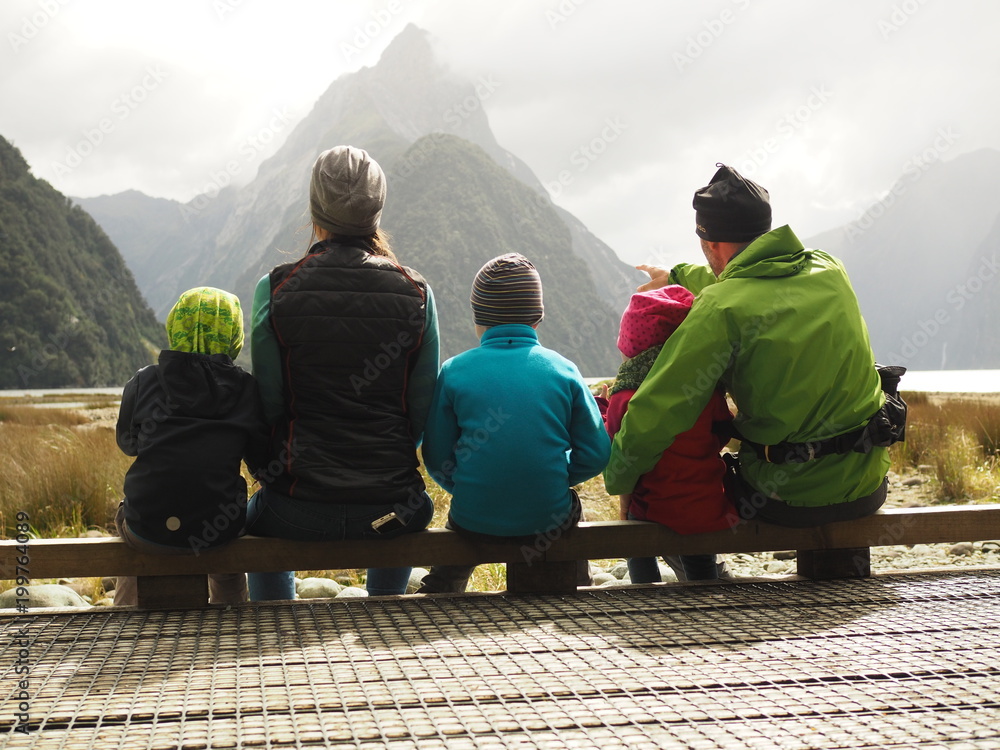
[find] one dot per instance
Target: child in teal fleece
(512, 426)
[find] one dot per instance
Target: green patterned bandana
(634, 370)
(206, 320)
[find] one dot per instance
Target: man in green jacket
(779, 328)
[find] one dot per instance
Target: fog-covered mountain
(413, 115)
(925, 263)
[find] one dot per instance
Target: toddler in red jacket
(684, 491)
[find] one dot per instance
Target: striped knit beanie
(507, 290)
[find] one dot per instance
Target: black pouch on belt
(888, 426)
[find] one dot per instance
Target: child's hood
(203, 385)
(206, 320)
(651, 317)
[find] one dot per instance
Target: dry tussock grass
(960, 439)
(69, 480)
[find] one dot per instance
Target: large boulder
(318, 588)
(43, 595)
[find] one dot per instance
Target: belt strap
(797, 453)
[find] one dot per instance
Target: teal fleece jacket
(781, 330)
(511, 428)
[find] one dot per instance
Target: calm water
(952, 381)
(938, 381)
(43, 392)
(929, 381)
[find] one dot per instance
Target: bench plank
(54, 558)
(609, 539)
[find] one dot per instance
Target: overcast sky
(622, 107)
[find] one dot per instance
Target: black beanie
(731, 208)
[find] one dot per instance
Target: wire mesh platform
(894, 661)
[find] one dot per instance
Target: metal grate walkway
(902, 661)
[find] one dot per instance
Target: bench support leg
(851, 562)
(542, 577)
(172, 592)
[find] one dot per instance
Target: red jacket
(684, 491)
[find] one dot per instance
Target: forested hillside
(70, 311)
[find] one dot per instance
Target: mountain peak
(12, 163)
(410, 48)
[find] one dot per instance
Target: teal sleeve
(668, 402)
(591, 446)
(420, 388)
(265, 356)
(440, 437)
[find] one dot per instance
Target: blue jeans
(687, 567)
(273, 514)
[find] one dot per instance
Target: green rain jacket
(782, 332)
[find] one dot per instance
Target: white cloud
(689, 84)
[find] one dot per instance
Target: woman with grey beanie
(344, 345)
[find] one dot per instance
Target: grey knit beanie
(347, 191)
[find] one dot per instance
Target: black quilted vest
(349, 325)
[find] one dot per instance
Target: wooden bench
(838, 550)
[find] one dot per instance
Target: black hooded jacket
(189, 421)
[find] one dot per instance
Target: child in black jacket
(189, 421)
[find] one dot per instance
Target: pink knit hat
(651, 317)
